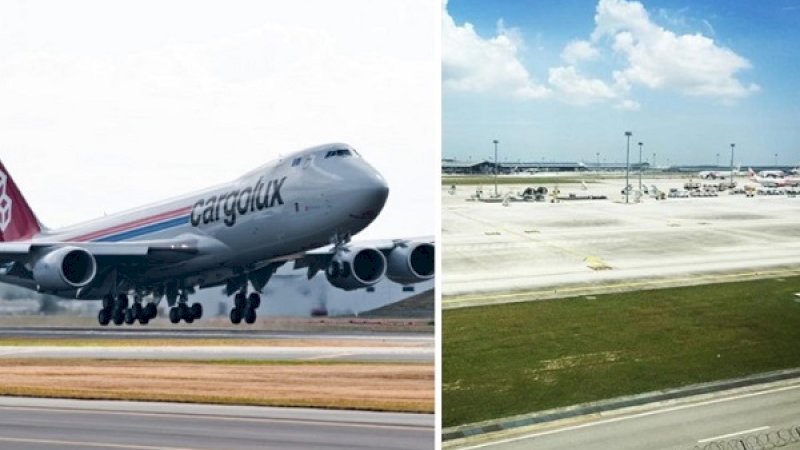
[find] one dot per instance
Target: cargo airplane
(302, 209)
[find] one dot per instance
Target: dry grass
(384, 387)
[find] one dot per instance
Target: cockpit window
(296, 162)
(340, 152)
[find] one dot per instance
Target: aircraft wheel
(103, 317)
(236, 316)
(108, 302)
(137, 310)
(129, 317)
(249, 315)
(118, 316)
(143, 319)
(239, 300)
(151, 311)
(254, 300)
(122, 301)
(174, 315)
(197, 311)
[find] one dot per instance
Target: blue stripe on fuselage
(152, 228)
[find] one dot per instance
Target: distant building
(452, 166)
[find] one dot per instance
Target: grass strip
(375, 387)
(523, 357)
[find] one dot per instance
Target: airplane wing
(164, 250)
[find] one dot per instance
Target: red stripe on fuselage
(130, 225)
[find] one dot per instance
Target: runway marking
(89, 444)
(633, 416)
(725, 436)
(329, 356)
(202, 416)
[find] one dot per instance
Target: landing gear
(185, 312)
(115, 309)
(244, 307)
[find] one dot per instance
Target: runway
(225, 352)
(46, 424)
(674, 426)
(203, 333)
(544, 246)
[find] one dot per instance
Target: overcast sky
(564, 80)
(109, 105)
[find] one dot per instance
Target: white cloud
(657, 58)
(472, 63)
(577, 51)
(628, 105)
(578, 89)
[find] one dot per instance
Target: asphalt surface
(225, 352)
(380, 347)
(202, 333)
(47, 424)
(670, 426)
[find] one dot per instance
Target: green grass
(528, 181)
(517, 358)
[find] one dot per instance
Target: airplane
(712, 175)
(303, 208)
(772, 181)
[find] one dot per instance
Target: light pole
(628, 135)
(495, 166)
(598, 161)
(732, 147)
(640, 168)
(776, 160)
(654, 160)
(717, 159)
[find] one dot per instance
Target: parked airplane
(712, 175)
(770, 181)
(302, 208)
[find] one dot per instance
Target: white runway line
(725, 436)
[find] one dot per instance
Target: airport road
(539, 246)
(672, 426)
(46, 424)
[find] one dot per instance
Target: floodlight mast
(640, 168)
(495, 166)
(628, 135)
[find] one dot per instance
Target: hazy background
(106, 106)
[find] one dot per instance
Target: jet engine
(64, 268)
(356, 267)
(411, 263)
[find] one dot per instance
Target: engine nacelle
(411, 263)
(356, 267)
(64, 268)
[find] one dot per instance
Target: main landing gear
(245, 307)
(185, 312)
(182, 310)
(115, 309)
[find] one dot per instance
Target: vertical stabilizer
(17, 220)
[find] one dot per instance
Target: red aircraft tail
(17, 220)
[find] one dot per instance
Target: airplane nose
(371, 191)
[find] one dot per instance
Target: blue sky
(564, 80)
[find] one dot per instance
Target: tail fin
(17, 220)
(750, 172)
